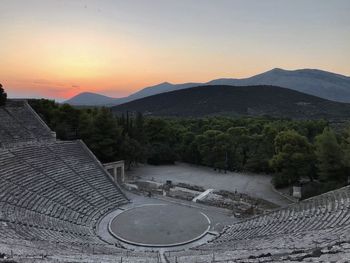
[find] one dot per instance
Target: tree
(105, 137)
(132, 151)
(243, 143)
(329, 157)
(220, 150)
(239, 147)
(188, 148)
(139, 131)
(66, 122)
(346, 149)
(293, 158)
(3, 96)
(161, 153)
(258, 155)
(208, 147)
(85, 125)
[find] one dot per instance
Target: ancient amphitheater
(55, 194)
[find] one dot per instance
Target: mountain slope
(315, 82)
(237, 101)
(94, 99)
(160, 88)
(320, 83)
(89, 98)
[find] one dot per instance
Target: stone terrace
(55, 192)
(319, 225)
(19, 123)
(52, 194)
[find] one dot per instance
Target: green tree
(293, 158)
(219, 142)
(105, 139)
(238, 147)
(132, 151)
(346, 149)
(161, 153)
(258, 154)
(66, 122)
(220, 149)
(162, 139)
(139, 129)
(188, 148)
(208, 147)
(3, 96)
(85, 125)
(329, 157)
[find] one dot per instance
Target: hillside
(315, 82)
(230, 100)
(89, 98)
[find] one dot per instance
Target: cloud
(75, 86)
(42, 81)
(46, 82)
(57, 90)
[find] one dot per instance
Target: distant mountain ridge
(89, 98)
(238, 101)
(315, 82)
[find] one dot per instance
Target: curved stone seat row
(42, 251)
(315, 223)
(55, 192)
(33, 174)
(275, 248)
(19, 123)
(325, 211)
(339, 252)
(52, 194)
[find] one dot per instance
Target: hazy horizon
(57, 49)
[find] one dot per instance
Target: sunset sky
(58, 48)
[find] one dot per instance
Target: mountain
(315, 82)
(237, 101)
(320, 83)
(94, 99)
(160, 88)
(89, 98)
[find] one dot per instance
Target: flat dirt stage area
(160, 225)
(252, 184)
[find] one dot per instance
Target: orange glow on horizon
(57, 49)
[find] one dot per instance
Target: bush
(280, 181)
(161, 154)
(3, 96)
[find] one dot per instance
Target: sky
(59, 48)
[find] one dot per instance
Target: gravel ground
(255, 185)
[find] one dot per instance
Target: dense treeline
(291, 150)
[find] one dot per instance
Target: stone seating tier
(52, 194)
(55, 192)
(19, 123)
